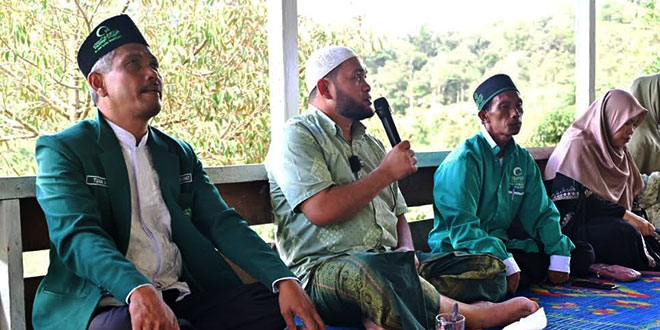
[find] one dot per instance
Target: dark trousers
(534, 265)
(249, 306)
(615, 241)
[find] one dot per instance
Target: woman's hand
(642, 225)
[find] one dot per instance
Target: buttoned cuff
(511, 266)
(276, 290)
(560, 264)
(128, 296)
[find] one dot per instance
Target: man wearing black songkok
(501, 206)
(134, 223)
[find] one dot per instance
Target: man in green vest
(501, 206)
(134, 223)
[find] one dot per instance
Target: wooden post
(283, 64)
(585, 53)
(12, 301)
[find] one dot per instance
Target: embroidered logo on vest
(517, 183)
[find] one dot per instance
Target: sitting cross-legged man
(501, 206)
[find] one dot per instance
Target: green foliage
(425, 42)
(650, 13)
(629, 46)
(653, 67)
(419, 213)
(311, 36)
(553, 126)
(214, 59)
(433, 100)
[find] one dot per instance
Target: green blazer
(82, 187)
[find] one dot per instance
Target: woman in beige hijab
(645, 143)
(595, 182)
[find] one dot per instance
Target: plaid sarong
(465, 277)
(383, 287)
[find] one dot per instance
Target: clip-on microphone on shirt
(356, 163)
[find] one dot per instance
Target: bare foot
(487, 314)
(370, 325)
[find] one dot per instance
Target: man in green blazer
(134, 223)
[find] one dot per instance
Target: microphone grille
(381, 105)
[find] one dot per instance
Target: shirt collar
(331, 128)
(126, 138)
(493, 145)
(489, 138)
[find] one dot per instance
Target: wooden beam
(12, 315)
(17, 187)
(283, 64)
(237, 173)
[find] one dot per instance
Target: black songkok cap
(105, 37)
(491, 87)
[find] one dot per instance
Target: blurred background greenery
(214, 59)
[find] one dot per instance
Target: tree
(213, 57)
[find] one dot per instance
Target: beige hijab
(587, 155)
(645, 143)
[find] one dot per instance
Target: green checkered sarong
(383, 287)
(465, 277)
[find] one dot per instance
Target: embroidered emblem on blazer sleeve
(93, 180)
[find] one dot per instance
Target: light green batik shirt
(312, 157)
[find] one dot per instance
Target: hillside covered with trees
(214, 60)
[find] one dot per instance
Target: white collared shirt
(150, 246)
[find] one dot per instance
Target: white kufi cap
(324, 60)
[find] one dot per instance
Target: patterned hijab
(586, 153)
(645, 143)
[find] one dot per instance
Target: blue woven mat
(633, 305)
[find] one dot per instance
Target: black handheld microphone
(385, 115)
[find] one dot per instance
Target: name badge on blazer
(93, 180)
(185, 178)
